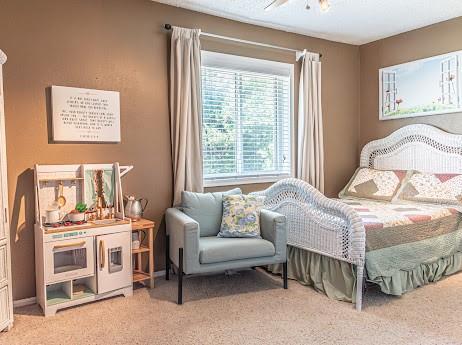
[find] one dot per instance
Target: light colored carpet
(249, 308)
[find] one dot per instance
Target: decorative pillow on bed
(433, 188)
(241, 216)
(374, 184)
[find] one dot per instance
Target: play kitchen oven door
(114, 269)
(69, 259)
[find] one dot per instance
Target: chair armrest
(273, 228)
(184, 233)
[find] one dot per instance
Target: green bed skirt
(337, 279)
(405, 281)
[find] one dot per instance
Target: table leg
(139, 262)
(151, 257)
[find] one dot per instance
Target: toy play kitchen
(82, 237)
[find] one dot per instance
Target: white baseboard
(33, 300)
(159, 273)
(23, 302)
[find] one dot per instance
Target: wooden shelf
(142, 249)
(85, 294)
(57, 297)
(142, 224)
(58, 293)
(88, 225)
(55, 179)
(139, 276)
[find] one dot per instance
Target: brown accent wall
(120, 45)
(429, 41)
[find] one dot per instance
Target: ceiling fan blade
(275, 3)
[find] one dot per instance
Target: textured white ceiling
(349, 21)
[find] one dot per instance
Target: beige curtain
(310, 163)
(185, 111)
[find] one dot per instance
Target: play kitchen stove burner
(64, 223)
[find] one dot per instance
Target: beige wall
(429, 41)
(120, 45)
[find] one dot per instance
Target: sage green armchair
(193, 246)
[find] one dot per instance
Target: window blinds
(246, 124)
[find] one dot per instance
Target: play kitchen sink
(86, 258)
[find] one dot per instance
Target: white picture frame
(85, 115)
(424, 87)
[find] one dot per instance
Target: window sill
(244, 180)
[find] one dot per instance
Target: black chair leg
(284, 274)
(167, 257)
(180, 276)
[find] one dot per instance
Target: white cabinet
(3, 265)
(114, 261)
(90, 264)
(5, 307)
(81, 262)
(6, 298)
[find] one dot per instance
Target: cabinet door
(3, 265)
(114, 265)
(5, 307)
(6, 298)
(69, 259)
(3, 182)
(2, 222)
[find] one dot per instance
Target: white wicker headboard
(421, 147)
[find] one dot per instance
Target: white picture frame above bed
(424, 87)
(85, 115)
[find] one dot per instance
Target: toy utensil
(61, 199)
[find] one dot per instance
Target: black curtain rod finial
(168, 27)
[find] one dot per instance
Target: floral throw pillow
(433, 188)
(241, 216)
(374, 184)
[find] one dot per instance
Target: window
(389, 90)
(246, 119)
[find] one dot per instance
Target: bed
(396, 245)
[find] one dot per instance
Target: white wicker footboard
(319, 224)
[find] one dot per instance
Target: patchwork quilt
(403, 236)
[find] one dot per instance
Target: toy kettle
(134, 207)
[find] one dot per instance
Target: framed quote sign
(85, 115)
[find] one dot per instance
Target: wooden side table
(148, 227)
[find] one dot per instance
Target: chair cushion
(217, 249)
(241, 216)
(206, 209)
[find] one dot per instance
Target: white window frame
(220, 60)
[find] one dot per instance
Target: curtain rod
(298, 53)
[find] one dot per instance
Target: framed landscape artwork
(423, 87)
